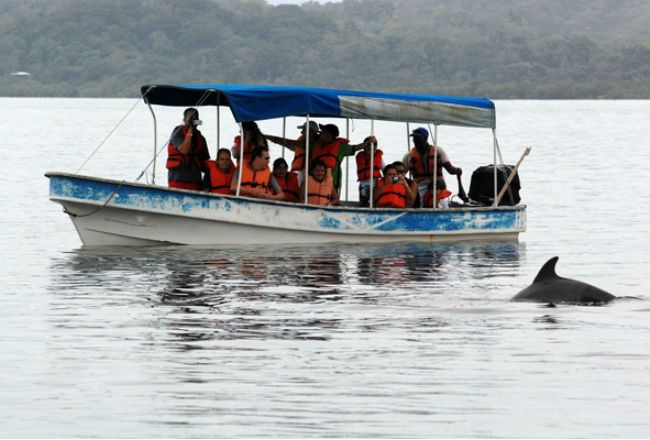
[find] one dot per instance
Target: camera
(395, 179)
(196, 122)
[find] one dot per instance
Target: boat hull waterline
(111, 212)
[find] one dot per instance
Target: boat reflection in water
(282, 292)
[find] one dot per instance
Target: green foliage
(495, 48)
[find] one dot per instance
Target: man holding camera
(186, 153)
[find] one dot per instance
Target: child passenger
(320, 186)
(393, 191)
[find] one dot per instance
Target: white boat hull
(109, 212)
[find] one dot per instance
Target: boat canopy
(254, 103)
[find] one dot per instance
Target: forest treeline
(559, 49)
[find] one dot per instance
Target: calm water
(395, 340)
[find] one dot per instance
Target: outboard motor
(481, 188)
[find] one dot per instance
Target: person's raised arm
(410, 192)
(184, 148)
(289, 143)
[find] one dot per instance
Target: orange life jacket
(289, 186)
(363, 165)
(320, 193)
(393, 195)
(441, 194)
(254, 179)
(420, 172)
(219, 181)
(328, 153)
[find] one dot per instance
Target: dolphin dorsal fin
(547, 270)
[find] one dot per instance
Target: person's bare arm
(452, 169)
(184, 148)
(289, 143)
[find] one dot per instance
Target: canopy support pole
(284, 134)
(307, 158)
(347, 160)
(435, 166)
(408, 138)
(155, 144)
(241, 157)
(218, 129)
(372, 165)
(408, 148)
(494, 154)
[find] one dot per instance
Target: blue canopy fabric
(254, 103)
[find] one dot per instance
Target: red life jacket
(185, 169)
(428, 202)
(289, 186)
(320, 193)
(420, 172)
(248, 149)
(299, 154)
(393, 195)
(176, 159)
(254, 179)
(329, 153)
(363, 165)
(219, 181)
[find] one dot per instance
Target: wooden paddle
(510, 177)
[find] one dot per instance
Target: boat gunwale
(49, 174)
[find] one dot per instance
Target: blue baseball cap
(420, 131)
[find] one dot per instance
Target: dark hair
(330, 128)
(188, 110)
(223, 150)
(258, 137)
(257, 152)
(390, 166)
(398, 163)
(279, 161)
(316, 163)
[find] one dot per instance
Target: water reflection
(275, 292)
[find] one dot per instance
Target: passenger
(187, 151)
(288, 181)
(298, 147)
(401, 171)
(420, 160)
(442, 200)
(363, 169)
(393, 191)
(218, 174)
(256, 177)
(331, 149)
(320, 190)
(253, 137)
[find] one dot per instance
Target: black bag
(481, 188)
